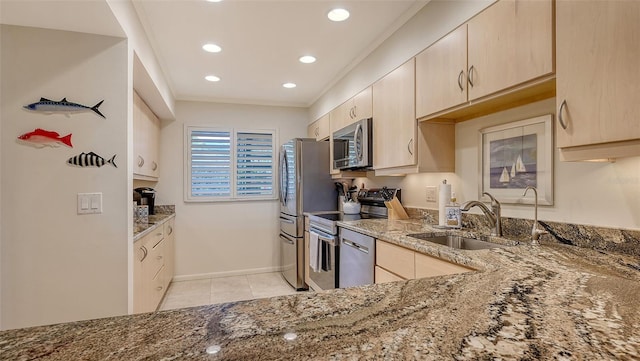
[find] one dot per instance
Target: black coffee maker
(147, 197)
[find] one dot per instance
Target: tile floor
(227, 289)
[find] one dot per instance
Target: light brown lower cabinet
(383, 276)
(153, 267)
(395, 263)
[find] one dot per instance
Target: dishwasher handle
(352, 244)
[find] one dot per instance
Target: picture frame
(515, 155)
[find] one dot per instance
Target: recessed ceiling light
(307, 59)
(212, 48)
(212, 78)
(214, 1)
(289, 85)
(338, 14)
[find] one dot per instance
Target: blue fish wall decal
(64, 106)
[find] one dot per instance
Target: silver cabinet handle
(154, 166)
(460, 80)
(286, 220)
(562, 123)
(470, 77)
(159, 288)
(159, 258)
(355, 111)
(140, 161)
(409, 146)
(170, 230)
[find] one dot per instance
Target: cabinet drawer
(157, 289)
(155, 258)
(384, 276)
(396, 259)
(427, 266)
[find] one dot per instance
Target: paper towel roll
(444, 197)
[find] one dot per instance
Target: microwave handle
(357, 142)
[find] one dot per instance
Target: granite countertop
(142, 229)
(548, 302)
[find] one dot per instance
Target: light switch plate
(89, 203)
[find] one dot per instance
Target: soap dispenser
(452, 213)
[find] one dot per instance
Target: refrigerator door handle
(284, 176)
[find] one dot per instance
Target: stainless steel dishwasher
(357, 258)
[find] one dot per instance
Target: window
(229, 164)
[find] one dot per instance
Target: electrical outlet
(431, 194)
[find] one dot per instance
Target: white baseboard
(244, 272)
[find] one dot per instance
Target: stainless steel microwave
(353, 146)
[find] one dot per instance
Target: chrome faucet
(535, 231)
(493, 214)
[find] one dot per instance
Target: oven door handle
(352, 244)
(323, 238)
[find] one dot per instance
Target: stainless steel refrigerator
(305, 186)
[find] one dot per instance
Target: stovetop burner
(338, 217)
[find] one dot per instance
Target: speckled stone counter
(548, 302)
(163, 214)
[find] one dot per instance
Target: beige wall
(58, 266)
(214, 239)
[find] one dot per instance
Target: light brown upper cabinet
(354, 109)
(598, 79)
(146, 140)
(394, 121)
(319, 129)
(509, 43)
(441, 74)
(400, 145)
(501, 58)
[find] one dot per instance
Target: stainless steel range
(324, 269)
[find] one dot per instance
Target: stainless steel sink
(458, 242)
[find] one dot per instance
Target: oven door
(325, 279)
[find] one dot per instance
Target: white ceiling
(261, 42)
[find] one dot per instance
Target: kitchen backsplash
(598, 238)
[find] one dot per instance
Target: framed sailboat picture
(517, 155)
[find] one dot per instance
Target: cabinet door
(146, 138)
(138, 282)
(395, 259)
(427, 266)
(597, 71)
(384, 276)
(169, 250)
(394, 118)
(362, 105)
(441, 80)
(312, 130)
(324, 127)
(509, 43)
